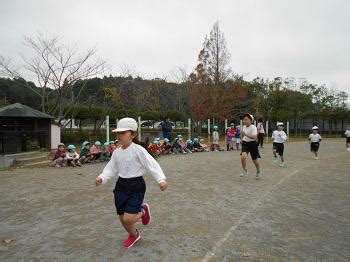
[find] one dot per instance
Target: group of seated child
(179, 146)
(88, 154)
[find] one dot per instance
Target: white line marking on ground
(211, 253)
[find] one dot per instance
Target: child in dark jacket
(60, 159)
(85, 156)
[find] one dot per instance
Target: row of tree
(72, 85)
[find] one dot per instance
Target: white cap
(126, 124)
(315, 128)
(251, 116)
(280, 124)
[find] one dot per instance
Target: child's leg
(257, 165)
(244, 160)
(237, 146)
(274, 154)
(129, 220)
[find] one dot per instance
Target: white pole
(139, 128)
(226, 124)
(241, 124)
(189, 128)
(267, 130)
(254, 122)
(288, 128)
(209, 129)
(107, 128)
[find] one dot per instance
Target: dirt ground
(297, 213)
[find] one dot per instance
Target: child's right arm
(110, 170)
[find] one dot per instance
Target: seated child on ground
(202, 144)
(60, 158)
(176, 148)
(155, 148)
(166, 147)
(72, 156)
(197, 145)
(85, 156)
(183, 146)
(95, 151)
(190, 145)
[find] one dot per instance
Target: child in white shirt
(278, 138)
(347, 134)
(249, 136)
(314, 140)
(129, 162)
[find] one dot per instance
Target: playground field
(300, 212)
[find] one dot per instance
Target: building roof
(19, 110)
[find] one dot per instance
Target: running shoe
(258, 176)
(146, 217)
(243, 173)
(282, 164)
(131, 240)
(316, 157)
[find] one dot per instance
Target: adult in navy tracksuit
(167, 128)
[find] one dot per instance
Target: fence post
(139, 128)
(107, 128)
(209, 129)
(189, 128)
(267, 130)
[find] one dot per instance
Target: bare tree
(56, 67)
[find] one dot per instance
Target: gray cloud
(268, 38)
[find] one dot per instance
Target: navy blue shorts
(314, 146)
(279, 147)
(129, 194)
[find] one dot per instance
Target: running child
(129, 163)
(278, 138)
(314, 140)
(249, 136)
(347, 134)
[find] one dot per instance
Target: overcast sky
(266, 38)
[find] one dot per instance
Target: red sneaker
(131, 240)
(146, 217)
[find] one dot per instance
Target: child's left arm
(152, 166)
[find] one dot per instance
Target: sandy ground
(297, 213)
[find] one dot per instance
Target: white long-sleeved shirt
(131, 162)
(279, 136)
